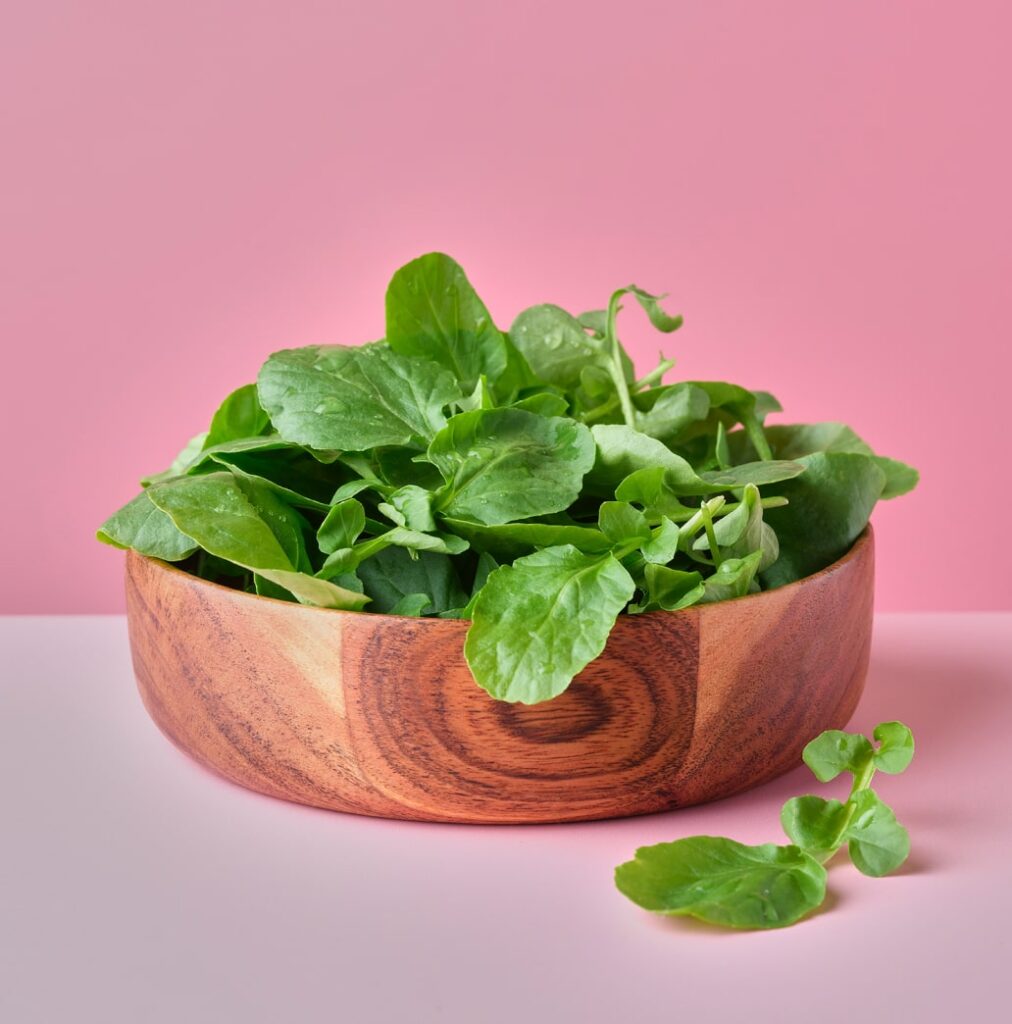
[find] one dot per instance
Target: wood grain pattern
(375, 714)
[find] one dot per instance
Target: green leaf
(676, 408)
(814, 824)
(896, 747)
(620, 522)
(899, 477)
(411, 604)
(506, 464)
(621, 451)
(215, 511)
(759, 473)
(414, 505)
(353, 399)
(835, 751)
(829, 506)
(670, 589)
(311, 590)
(649, 488)
(239, 416)
(734, 578)
(433, 312)
(555, 345)
(513, 539)
(349, 559)
(544, 403)
(724, 882)
(595, 321)
(651, 306)
(143, 526)
(538, 622)
(392, 576)
(663, 543)
(792, 441)
(877, 842)
(342, 525)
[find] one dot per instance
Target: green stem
(711, 536)
(616, 369)
(862, 781)
(613, 403)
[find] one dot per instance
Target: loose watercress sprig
(728, 883)
(526, 480)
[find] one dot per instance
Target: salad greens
(526, 480)
(727, 883)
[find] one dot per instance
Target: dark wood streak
(379, 715)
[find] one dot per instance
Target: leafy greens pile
(527, 481)
(727, 883)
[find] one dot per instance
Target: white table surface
(136, 887)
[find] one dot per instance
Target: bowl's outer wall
(379, 715)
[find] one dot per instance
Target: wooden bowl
(378, 714)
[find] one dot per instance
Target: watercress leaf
(506, 464)
(392, 575)
(341, 526)
(733, 578)
(670, 589)
(877, 842)
(415, 506)
(353, 399)
(293, 498)
(663, 543)
(622, 450)
(555, 345)
(311, 590)
(239, 416)
(351, 489)
(828, 507)
(724, 882)
(835, 751)
(620, 522)
(141, 525)
(896, 747)
(793, 440)
(674, 409)
(349, 559)
(411, 604)
(513, 539)
(765, 403)
(432, 311)
(480, 398)
(215, 511)
(648, 487)
(899, 477)
(758, 473)
(651, 306)
(273, 457)
(266, 588)
(517, 377)
(814, 824)
(544, 403)
(540, 621)
(595, 321)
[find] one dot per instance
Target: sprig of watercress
(728, 883)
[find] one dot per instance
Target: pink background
(823, 188)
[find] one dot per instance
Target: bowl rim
(863, 539)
